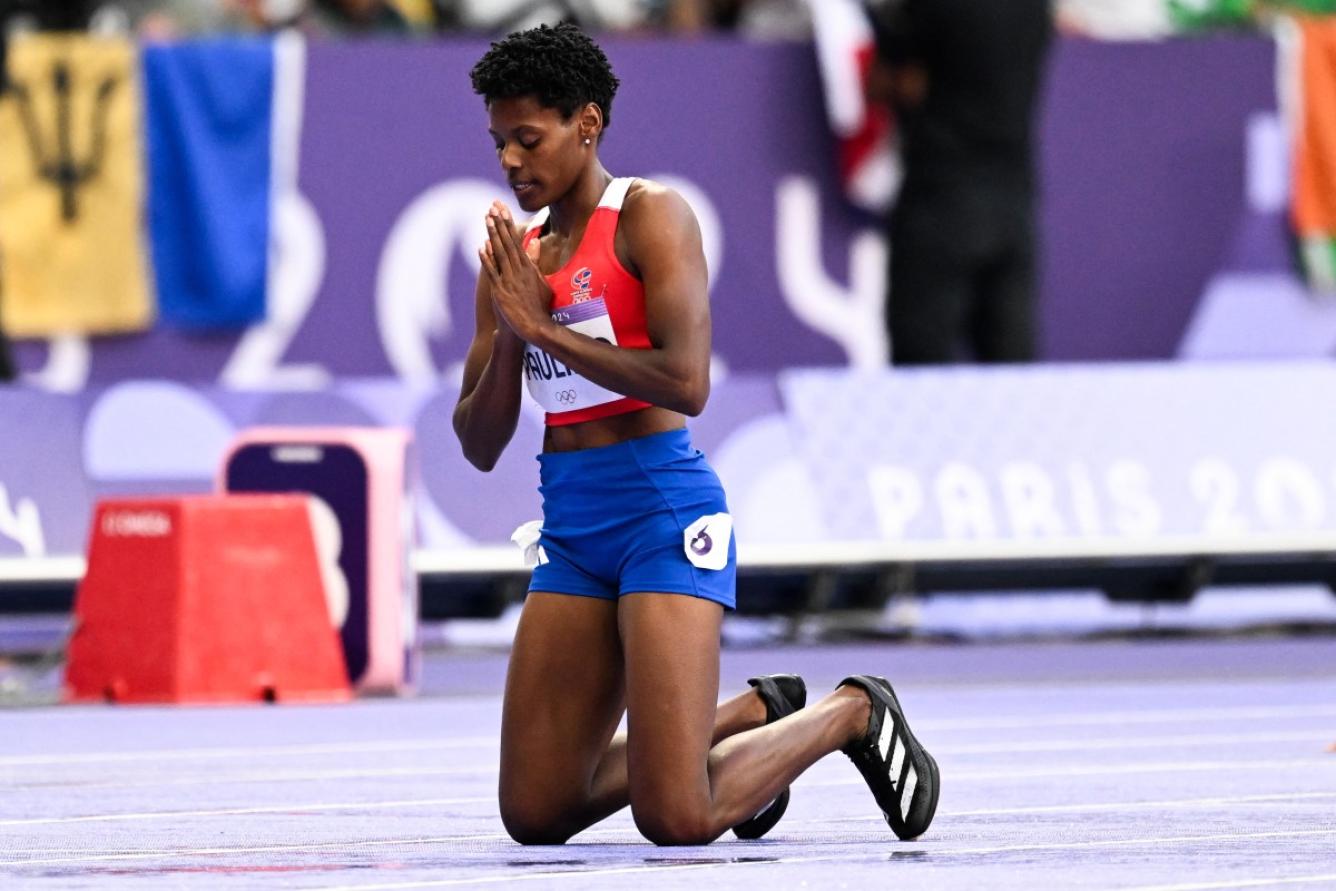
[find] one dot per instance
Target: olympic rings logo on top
(566, 397)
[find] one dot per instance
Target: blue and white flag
(219, 133)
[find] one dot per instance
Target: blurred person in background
(61, 15)
(263, 15)
(324, 18)
(153, 19)
(1126, 20)
(504, 16)
(963, 79)
(1153, 19)
(45, 15)
(350, 18)
(170, 19)
(752, 19)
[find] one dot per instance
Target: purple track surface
(1188, 764)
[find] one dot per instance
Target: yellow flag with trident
(72, 253)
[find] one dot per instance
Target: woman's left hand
(521, 295)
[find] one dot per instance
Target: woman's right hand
(489, 397)
(521, 295)
(531, 250)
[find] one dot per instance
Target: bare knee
(674, 826)
(531, 824)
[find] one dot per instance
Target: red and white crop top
(594, 295)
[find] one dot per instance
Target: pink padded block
(362, 475)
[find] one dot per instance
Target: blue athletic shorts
(643, 516)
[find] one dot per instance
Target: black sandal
(902, 775)
(783, 694)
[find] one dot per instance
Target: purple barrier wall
(1145, 168)
(1144, 160)
(1126, 453)
(1115, 454)
(164, 437)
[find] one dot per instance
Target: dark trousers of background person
(7, 370)
(962, 272)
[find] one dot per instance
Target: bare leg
(563, 702)
(559, 772)
(683, 788)
(746, 711)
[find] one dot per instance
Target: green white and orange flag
(1314, 209)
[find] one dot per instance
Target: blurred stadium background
(218, 216)
(278, 230)
(237, 235)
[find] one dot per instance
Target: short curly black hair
(561, 66)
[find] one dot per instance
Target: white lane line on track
(352, 773)
(633, 833)
(1118, 806)
(844, 856)
(1329, 878)
(369, 746)
(1116, 718)
(357, 806)
(1316, 736)
(1088, 770)
(585, 875)
(248, 811)
(1119, 718)
(1164, 803)
(1001, 773)
(258, 849)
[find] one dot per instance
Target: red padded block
(211, 598)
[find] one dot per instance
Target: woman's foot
(902, 775)
(783, 694)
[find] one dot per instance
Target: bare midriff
(610, 431)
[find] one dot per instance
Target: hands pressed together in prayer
(520, 295)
